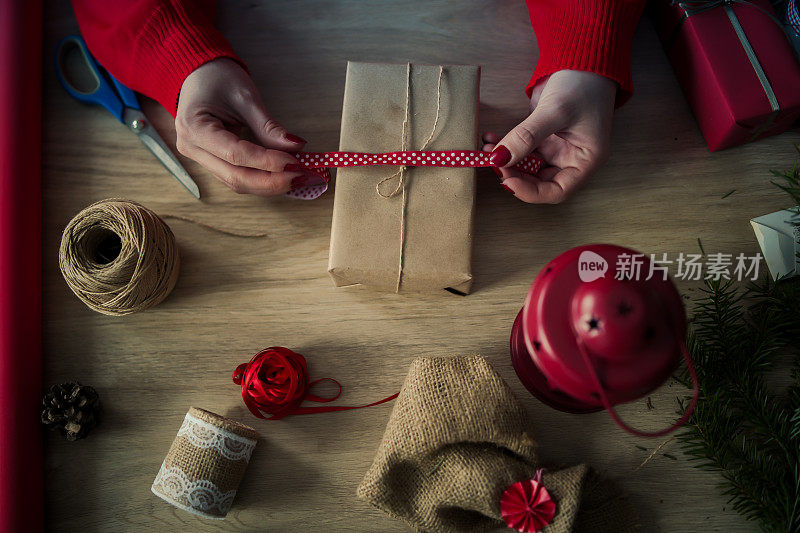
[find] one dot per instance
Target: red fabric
(152, 45)
(588, 35)
(21, 461)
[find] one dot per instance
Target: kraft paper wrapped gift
(419, 238)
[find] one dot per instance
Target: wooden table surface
(660, 192)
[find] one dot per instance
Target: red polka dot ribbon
(319, 163)
(275, 382)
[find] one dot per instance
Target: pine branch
(740, 428)
(790, 180)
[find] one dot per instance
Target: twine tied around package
(119, 257)
(401, 172)
(276, 382)
(405, 158)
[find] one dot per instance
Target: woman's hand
(217, 100)
(569, 126)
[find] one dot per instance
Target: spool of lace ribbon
(205, 464)
(119, 257)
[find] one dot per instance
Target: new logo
(591, 266)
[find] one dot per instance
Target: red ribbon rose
(275, 382)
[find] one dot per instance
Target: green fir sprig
(743, 427)
(789, 180)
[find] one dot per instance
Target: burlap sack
(456, 439)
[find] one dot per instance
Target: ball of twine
(119, 257)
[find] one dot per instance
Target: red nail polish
(295, 139)
(498, 172)
(298, 182)
(294, 167)
(500, 156)
(506, 187)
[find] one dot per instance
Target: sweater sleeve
(589, 35)
(152, 45)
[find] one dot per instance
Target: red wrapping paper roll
(21, 462)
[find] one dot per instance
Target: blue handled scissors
(88, 82)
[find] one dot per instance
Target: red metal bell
(631, 331)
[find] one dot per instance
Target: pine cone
(71, 408)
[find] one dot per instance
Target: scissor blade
(153, 141)
(160, 150)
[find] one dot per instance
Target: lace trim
(200, 497)
(204, 435)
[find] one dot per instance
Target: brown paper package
(366, 229)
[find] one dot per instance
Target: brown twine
(400, 173)
(654, 452)
(119, 257)
(232, 233)
(143, 265)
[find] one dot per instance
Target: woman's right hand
(216, 101)
(569, 126)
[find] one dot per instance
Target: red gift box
(735, 65)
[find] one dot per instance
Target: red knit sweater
(592, 35)
(152, 45)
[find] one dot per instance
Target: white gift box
(778, 235)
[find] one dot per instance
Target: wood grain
(660, 192)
